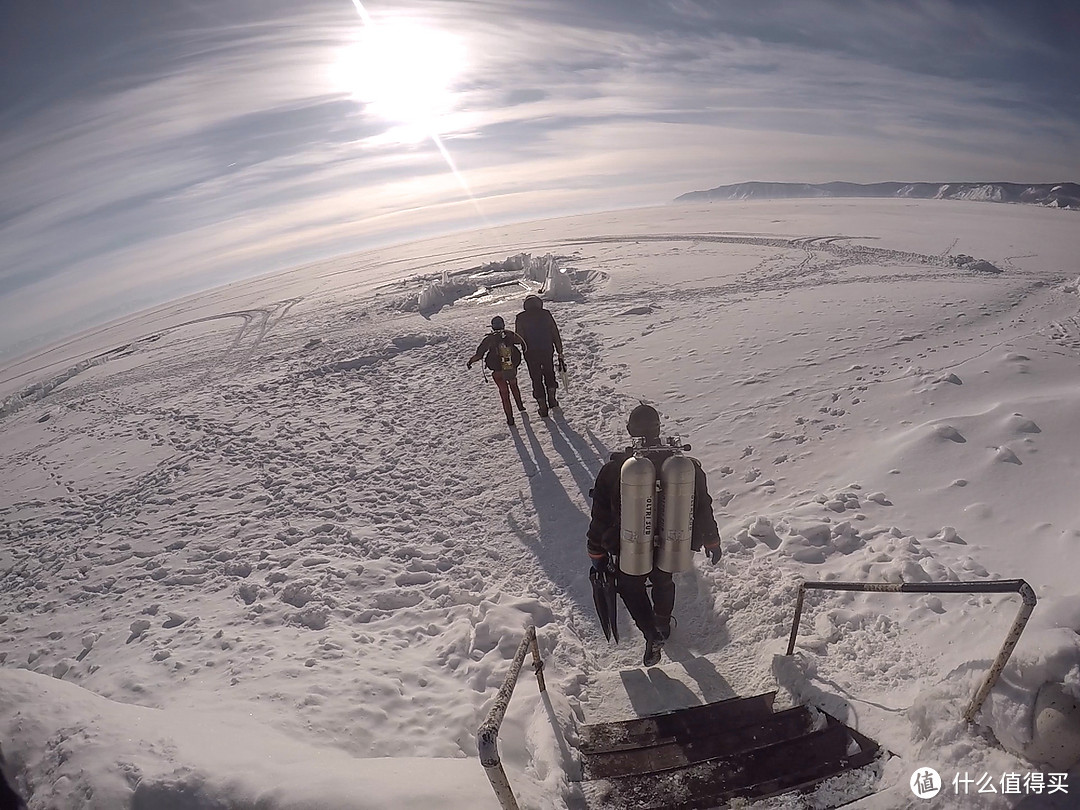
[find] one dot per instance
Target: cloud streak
(185, 148)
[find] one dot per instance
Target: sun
(404, 72)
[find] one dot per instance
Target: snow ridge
(1055, 195)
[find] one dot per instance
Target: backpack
(503, 356)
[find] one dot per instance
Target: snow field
(305, 523)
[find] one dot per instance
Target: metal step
(711, 743)
(705, 756)
(680, 724)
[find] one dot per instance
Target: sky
(150, 150)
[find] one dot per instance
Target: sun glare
(403, 72)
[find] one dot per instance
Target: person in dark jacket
(537, 328)
(500, 353)
(652, 616)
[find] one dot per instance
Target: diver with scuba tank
(651, 511)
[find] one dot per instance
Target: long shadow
(653, 691)
(712, 684)
(559, 544)
(581, 459)
(527, 461)
(599, 449)
(593, 449)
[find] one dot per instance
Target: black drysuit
(537, 328)
(604, 537)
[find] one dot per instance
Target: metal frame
(998, 586)
(487, 736)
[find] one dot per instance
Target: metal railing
(487, 736)
(998, 586)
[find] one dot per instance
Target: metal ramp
(705, 756)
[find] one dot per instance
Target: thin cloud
(204, 143)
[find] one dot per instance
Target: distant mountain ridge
(1055, 195)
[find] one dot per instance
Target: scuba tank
(677, 479)
(637, 488)
(653, 516)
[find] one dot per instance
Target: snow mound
(973, 265)
(1042, 679)
(441, 294)
(554, 282)
(117, 755)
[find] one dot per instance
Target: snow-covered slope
(276, 548)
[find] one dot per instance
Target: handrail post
(994, 586)
(538, 664)
(487, 736)
(1006, 651)
(795, 622)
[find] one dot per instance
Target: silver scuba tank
(677, 479)
(637, 489)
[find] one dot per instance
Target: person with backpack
(607, 538)
(538, 329)
(500, 353)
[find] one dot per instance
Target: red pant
(507, 382)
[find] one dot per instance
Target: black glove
(600, 563)
(562, 363)
(713, 553)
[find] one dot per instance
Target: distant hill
(1056, 195)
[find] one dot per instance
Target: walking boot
(653, 647)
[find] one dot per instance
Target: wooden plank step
(778, 768)
(672, 726)
(712, 743)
